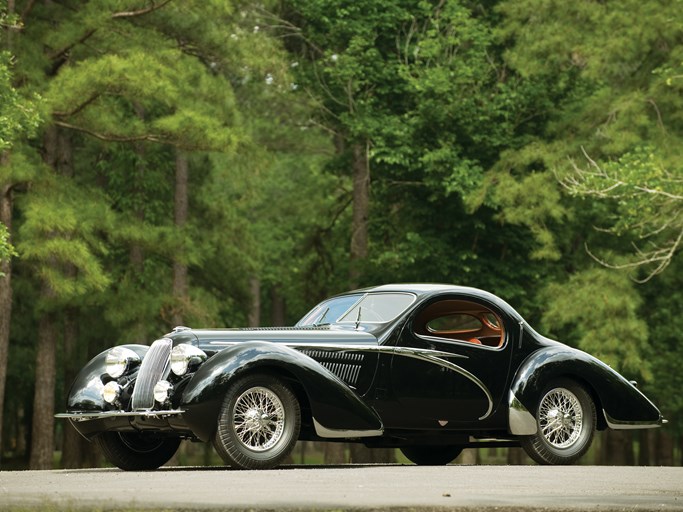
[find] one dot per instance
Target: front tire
(566, 422)
(136, 451)
(258, 424)
(431, 455)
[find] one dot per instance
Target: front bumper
(90, 423)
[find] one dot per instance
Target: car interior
(461, 320)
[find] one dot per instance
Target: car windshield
(366, 308)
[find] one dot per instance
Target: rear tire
(258, 424)
(566, 422)
(431, 455)
(136, 451)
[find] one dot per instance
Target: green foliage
(597, 310)
(61, 235)
(499, 135)
(6, 248)
(18, 116)
(661, 308)
(617, 133)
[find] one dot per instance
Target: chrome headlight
(186, 358)
(111, 392)
(162, 390)
(120, 360)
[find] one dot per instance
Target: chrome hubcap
(561, 418)
(259, 419)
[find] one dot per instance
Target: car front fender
(623, 405)
(85, 394)
(337, 411)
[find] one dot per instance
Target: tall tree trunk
(647, 442)
(618, 448)
(6, 202)
(57, 154)
(334, 453)
(361, 212)
(42, 430)
(361, 454)
(277, 307)
(665, 448)
(254, 316)
(136, 254)
(5, 293)
(180, 284)
(180, 290)
(469, 457)
(515, 456)
(75, 447)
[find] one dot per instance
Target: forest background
(231, 163)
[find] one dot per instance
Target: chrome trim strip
(630, 425)
(521, 421)
(330, 433)
(432, 356)
(348, 348)
(154, 365)
(85, 416)
(457, 342)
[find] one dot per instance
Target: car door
(450, 367)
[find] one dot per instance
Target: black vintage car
(430, 369)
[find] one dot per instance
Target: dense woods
(230, 163)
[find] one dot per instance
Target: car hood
(211, 340)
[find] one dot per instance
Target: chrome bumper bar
(85, 416)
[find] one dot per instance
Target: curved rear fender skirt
(521, 422)
(332, 402)
(629, 425)
(331, 433)
(86, 391)
(620, 400)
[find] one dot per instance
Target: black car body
(430, 369)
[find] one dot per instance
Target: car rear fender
(337, 411)
(621, 403)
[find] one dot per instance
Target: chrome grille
(345, 365)
(151, 369)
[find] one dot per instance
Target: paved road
(350, 487)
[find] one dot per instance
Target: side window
(461, 321)
(454, 323)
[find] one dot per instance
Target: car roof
(424, 290)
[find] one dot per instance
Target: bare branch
(285, 24)
(648, 190)
(665, 219)
(140, 12)
(660, 256)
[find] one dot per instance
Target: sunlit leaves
(599, 309)
(63, 236)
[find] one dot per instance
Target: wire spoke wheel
(259, 419)
(560, 417)
(566, 422)
(258, 424)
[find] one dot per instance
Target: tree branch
(79, 108)
(107, 137)
(140, 12)
(117, 15)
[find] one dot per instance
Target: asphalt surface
(352, 487)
